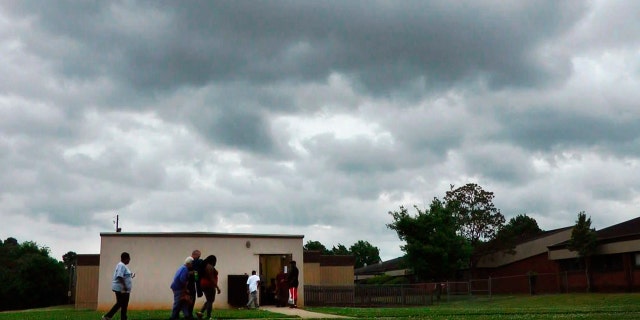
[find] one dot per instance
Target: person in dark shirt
(292, 281)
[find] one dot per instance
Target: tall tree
(518, 228)
(478, 217)
(364, 253)
(316, 246)
(70, 261)
(30, 277)
(434, 248)
(340, 250)
(584, 241)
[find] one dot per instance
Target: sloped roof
(382, 267)
(629, 229)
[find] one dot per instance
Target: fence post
(489, 285)
(447, 290)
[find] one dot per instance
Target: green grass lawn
(564, 306)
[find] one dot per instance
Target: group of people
(195, 278)
(285, 288)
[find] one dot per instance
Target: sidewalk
(301, 313)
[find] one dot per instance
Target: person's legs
(187, 309)
(213, 299)
(175, 311)
(293, 295)
(115, 307)
(253, 300)
(206, 306)
(191, 305)
(124, 304)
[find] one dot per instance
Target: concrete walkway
(301, 313)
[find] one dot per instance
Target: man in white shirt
(121, 285)
(253, 283)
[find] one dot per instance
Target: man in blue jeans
(181, 295)
(252, 289)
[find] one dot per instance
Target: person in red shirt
(209, 285)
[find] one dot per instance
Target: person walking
(292, 282)
(253, 283)
(194, 279)
(121, 285)
(181, 295)
(209, 285)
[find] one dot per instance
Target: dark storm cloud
(546, 129)
(383, 45)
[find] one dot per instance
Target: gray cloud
(311, 117)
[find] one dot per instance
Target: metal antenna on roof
(117, 221)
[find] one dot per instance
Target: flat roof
(198, 235)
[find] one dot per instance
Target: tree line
(30, 277)
(455, 231)
(363, 251)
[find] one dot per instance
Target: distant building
(544, 264)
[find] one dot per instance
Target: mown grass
(564, 306)
(72, 314)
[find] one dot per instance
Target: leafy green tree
(584, 240)
(364, 253)
(70, 261)
(30, 277)
(518, 228)
(340, 250)
(434, 248)
(316, 246)
(478, 218)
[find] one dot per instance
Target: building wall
(328, 269)
(87, 290)
(336, 275)
(312, 273)
(155, 257)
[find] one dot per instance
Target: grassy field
(565, 306)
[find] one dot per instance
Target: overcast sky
(313, 118)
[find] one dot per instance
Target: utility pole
(118, 229)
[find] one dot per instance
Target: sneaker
(199, 315)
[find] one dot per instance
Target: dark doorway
(237, 290)
(270, 266)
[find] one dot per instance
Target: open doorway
(270, 266)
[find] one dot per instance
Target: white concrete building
(155, 257)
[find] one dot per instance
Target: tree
(364, 253)
(316, 246)
(479, 219)
(340, 250)
(584, 240)
(30, 277)
(70, 260)
(517, 229)
(434, 248)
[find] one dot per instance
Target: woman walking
(209, 285)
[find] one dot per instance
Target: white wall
(155, 257)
